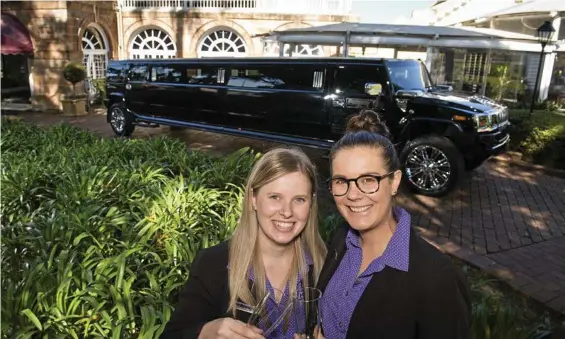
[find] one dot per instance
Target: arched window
(222, 43)
(152, 44)
(95, 52)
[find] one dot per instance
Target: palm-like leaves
(97, 235)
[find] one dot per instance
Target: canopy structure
(361, 34)
(15, 37)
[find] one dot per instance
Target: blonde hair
(243, 244)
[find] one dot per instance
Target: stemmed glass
(306, 313)
(268, 315)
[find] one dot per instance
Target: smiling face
(283, 208)
(361, 210)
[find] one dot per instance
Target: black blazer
(430, 301)
(205, 296)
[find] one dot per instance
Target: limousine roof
(240, 60)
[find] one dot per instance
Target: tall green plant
(98, 234)
(501, 81)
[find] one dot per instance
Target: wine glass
(305, 313)
(268, 315)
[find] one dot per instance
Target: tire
(439, 158)
(120, 120)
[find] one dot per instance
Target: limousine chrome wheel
(428, 168)
(432, 165)
(118, 119)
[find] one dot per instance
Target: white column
(548, 62)
(429, 58)
(486, 73)
(121, 48)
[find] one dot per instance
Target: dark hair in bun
(368, 121)
(367, 130)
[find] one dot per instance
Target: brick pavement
(498, 208)
(512, 220)
(505, 220)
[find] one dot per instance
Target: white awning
(431, 36)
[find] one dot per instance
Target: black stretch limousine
(306, 101)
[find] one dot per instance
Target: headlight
(487, 122)
(483, 122)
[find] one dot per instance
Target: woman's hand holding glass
(229, 328)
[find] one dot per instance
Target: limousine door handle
(338, 103)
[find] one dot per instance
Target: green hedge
(539, 137)
(97, 234)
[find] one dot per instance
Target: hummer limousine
(306, 101)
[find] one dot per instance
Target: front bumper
(478, 147)
(494, 143)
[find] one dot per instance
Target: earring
(394, 193)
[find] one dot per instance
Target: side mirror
(447, 88)
(373, 88)
(408, 94)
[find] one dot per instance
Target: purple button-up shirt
(346, 287)
(274, 310)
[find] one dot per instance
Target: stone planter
(74, 106)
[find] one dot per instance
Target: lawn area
(98, 234)
(539, 137)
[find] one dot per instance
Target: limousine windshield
(409, 75)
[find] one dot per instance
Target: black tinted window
(408, 74)
(115, 72)
(138, 73)
(351, 80)
(289, 77)
(201, 75)
(167, 73)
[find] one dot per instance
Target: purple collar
(397, 252)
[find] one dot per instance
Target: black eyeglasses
(366, 183)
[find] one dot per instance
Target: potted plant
(74, 104)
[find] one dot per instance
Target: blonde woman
(276, 249)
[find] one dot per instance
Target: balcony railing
(335, 7)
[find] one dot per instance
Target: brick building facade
(92, 32)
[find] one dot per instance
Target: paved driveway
(506, 220)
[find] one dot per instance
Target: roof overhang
(433, 36)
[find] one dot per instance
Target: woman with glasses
(380, 280)
(241, 288)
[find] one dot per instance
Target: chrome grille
(500, 118)
(503, 115)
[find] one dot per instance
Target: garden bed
(539, 137)
(98, 234)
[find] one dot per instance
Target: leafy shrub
(98, 234)
(100, 85)
(539, 137)
(74, 73)
(500, 312)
